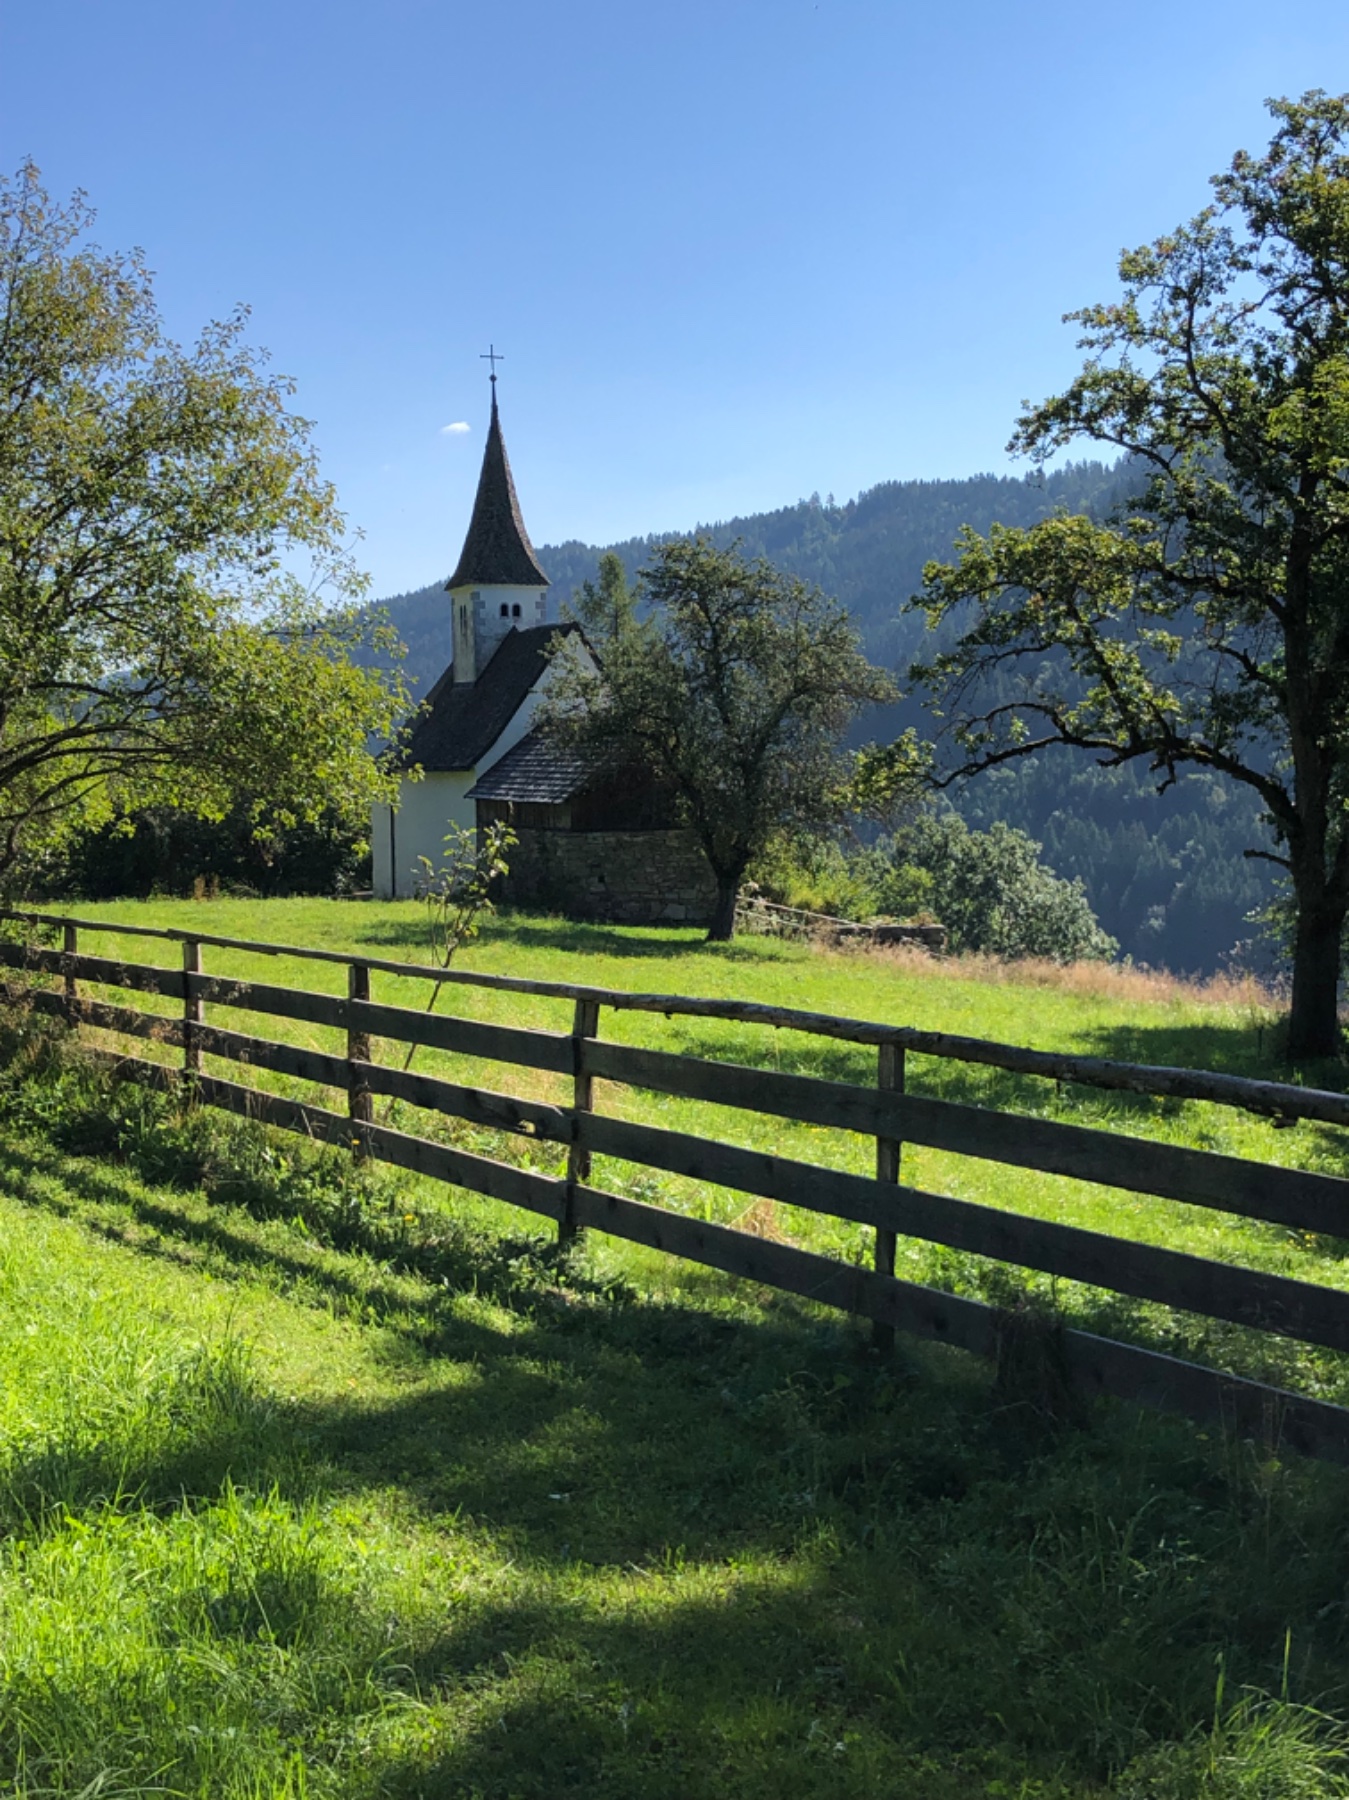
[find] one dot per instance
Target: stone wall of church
(623, 877)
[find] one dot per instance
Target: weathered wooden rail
(766, 918)
(886, 1112)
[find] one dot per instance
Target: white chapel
(483, 705)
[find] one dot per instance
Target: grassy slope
(428, 1515)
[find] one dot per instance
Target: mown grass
(320, 1483)
(1132, 1014)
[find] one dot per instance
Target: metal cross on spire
(492, 355)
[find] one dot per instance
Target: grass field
(1095, 1010)
(318, 1484)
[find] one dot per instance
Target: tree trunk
(1313, 1022)
(722, 928)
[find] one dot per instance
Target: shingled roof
(462, 721)
(497, 550)
(537, 771)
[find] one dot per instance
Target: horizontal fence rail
(888, 1113)
(1276, 1099)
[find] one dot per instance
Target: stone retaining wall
(627, 877)
(931, 937)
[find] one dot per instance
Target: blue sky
(733, 252)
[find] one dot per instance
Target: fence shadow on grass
(114, 1210)
(606, 1335)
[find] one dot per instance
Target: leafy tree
(163, 850)
(990, 890)
(1165, 873)
(156, 645)
(1208, 624)
(606, 608)
(733, 693)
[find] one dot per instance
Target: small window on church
(515, 610)
(505, 610)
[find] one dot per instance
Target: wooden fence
(885, 1112)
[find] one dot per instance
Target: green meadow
(1098, 1011)
(316, 1481)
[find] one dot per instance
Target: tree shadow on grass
(740, 1540)
(943, 1078)
(1233, 1047)
(726, 1562)
(754, 1684)
(1237, 1049)
(797, 1547)
(576, 938)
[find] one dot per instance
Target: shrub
(820, 876)
(990, 890)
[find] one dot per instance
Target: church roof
(497, 550)
(462, 720)
(537, 771)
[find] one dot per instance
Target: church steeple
(497, 585)
(497, 551)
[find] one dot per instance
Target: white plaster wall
(380, 851)
(487, 627)
(427, 808)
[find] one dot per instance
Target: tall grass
(1261, 1747)
(1130, 983)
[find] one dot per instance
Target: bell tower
(498, 585)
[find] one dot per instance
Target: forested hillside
(868, 552)
(1166, 874)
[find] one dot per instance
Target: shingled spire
(497, 551)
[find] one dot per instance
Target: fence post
(585, 1024)
(71, 945)
(194, 1013)
(360, 1101)
(889, 1078)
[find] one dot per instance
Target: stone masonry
(625, 877)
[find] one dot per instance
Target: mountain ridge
(868, 552)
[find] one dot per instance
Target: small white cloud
(459, 426)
